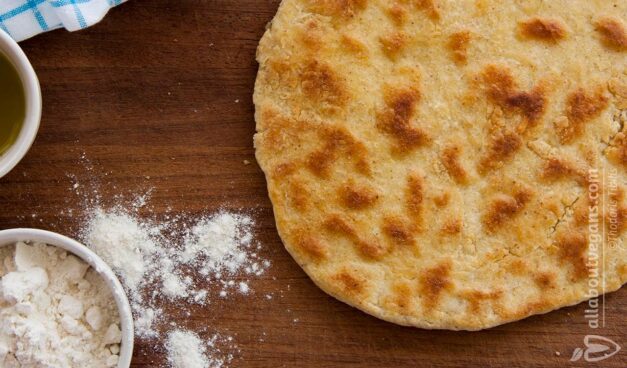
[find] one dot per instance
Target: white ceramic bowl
(11, 236)
(25, 139)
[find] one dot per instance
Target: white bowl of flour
(56, 304)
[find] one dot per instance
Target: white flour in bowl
(55, 311)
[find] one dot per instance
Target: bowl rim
(32, 93)
(12, 236)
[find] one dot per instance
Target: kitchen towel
(23, 19)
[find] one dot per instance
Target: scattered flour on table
(186, 350)
(144, 255)
(162, 262)
(55, 311)
(124, 243)
(222, 240)
(177, 260)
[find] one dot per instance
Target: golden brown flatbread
(448, 164)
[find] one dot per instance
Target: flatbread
(432, 162)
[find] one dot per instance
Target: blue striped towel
(23, 19)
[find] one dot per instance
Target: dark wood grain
(148, 98)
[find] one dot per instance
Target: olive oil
(12, 104)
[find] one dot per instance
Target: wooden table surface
(148, 99)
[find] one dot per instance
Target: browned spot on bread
(278, 67)
(283, 170)
(531, 104)
(414, 197)
(581, 211)
(337, 224)
(299, 195)
(476, 298)
(337, 140)
(354, 46)
(545, 280)
(430, 7)
(613, 33)
(523, 196)
(442, 199)
(500, 83)
(310, 35)
(572, 247)
(433, 282)
(581, 107)
(350, 283)
(517, 267)
(584, 105)
(338, 8)
(313, 247)
(319, 162)
(395, 119)
(397, 231)
(452, 226)
(451, 161)
(357, 197)
(279, 132)
(501, 148)
(323, 85)
(617, 152)
(393, 44)
(368, 248)
(557, 168)
(402, 296)
(503, 208)
(503, 90)
(533, 307)
(372, 249)
(458, 45)
(543, 29)
(398, 13)
(340, 139)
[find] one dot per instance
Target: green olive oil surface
(12, 104)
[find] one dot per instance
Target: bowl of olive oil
(20, 104)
